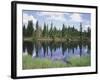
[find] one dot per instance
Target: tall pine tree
(63, 30)
(24, 31)
(44, 30)
(30, 29)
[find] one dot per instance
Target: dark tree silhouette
(30, 29)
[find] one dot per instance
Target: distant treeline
(67, 32)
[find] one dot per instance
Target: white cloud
(85, 27)
(50, 14)
(53, 15)
(57, 18)
(76, 17)
(26, 18)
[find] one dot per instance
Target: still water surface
(56, 50)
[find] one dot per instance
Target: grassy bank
(45, 39)
(56, 39)
(29, 63)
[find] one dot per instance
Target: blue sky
(57, 18)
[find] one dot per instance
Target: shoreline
(55, 40)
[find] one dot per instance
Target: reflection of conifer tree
(73, 50)
(51, 52)
(44, 48)
(68, 48)
(47, 48)
(54, 46)
(24, 46)
(63, 48)
(51, 47)
(80, 46)
(73, 45)
(89, 48)
(37, 49)
(29, 48)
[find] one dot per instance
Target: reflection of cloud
(26, 18)
(75, 17)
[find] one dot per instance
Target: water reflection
(56, 50)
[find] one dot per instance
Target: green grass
(83, 61)
(36, 63)
(29, 63)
